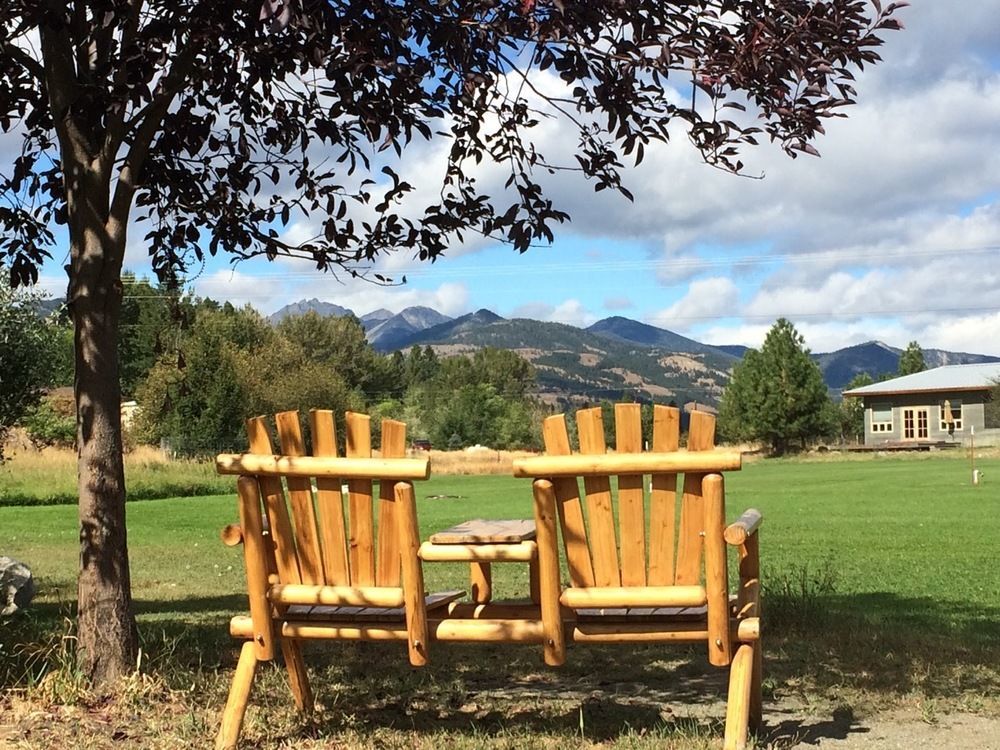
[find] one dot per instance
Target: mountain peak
(376, 316)
(626, 330)
(326, 309)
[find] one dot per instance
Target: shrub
(47, 425)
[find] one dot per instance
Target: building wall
(973, 415)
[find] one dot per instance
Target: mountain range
(612, 357)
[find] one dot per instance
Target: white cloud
(236, 287)
(52, 284)
(819, 337)
(533, 310)
(715, 297)
(270, 292)
(571, 312)
(574, 313)
(971, 333)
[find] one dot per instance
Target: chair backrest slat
(631, 510)
(663, 499)
(701, 437)
(329, 501)
(615, 542)
(600, 514)
(567, 491)
(301, 500)
(274, 502)
(387, 571)
(361, 538)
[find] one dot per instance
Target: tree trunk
(106, 628)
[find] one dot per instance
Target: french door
(915, 424)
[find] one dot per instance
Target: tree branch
(35, 68)
(63, 89)
(152, 118)
(115, 130)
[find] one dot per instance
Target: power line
(512, 269)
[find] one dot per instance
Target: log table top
(481, 531)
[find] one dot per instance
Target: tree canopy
(28, 351)
(912, 359)
(852, 411)
(777, 394)
(224, 123)
(202, 113)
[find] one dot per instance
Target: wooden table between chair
(482, 542)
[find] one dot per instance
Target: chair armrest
(232, 534)
(737, 532)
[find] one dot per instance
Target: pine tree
(777, 395)
(912, 359)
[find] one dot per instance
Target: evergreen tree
(777, 395)
(912, 359)
(852, 410)
(422, 365)
(152, 317)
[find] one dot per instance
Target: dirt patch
(627, 376)
(631, 378)
(683, 364)
(530, 355)
(589, 360)
(896, 730)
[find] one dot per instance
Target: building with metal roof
(946, 404)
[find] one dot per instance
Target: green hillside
(578, 366)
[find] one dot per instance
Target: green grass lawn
(880, 587)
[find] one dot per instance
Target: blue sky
(893, 234)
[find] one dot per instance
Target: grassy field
(880, 590)
(48, 477)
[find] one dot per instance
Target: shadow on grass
(834, 650)
(886, 643)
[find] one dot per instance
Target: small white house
(941, 405)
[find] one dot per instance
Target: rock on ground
(17, 587)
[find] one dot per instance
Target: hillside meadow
(881, 592)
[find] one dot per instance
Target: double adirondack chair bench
(638, 572)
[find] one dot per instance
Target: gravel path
(897, 730)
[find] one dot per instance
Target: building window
(881, 417)
(951, 415)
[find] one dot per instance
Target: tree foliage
(152, 318)
(912, 359)
(196, 112)
(28, 351)
(992, 407)
(231, 364)
(482, 399)
(852, 410)
(777, 394)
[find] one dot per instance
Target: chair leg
(756, 691)
(738, 707)
(239, 695)
(298, 678)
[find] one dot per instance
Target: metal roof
(948, 378)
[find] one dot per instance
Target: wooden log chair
(626, 582)
(310, 574)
